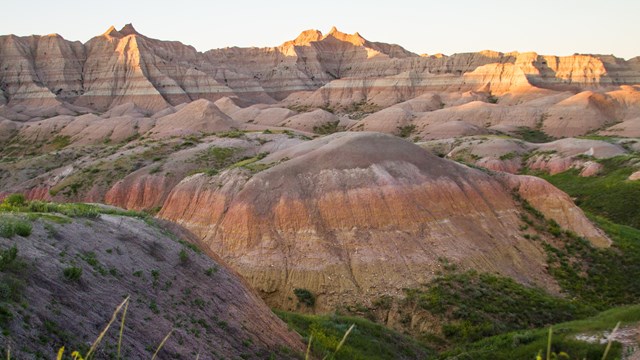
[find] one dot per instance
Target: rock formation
(125, 66)
(354, 216)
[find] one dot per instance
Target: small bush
(7, 257)
(15, 200)
(72, 273)
(328, 128)
(23, 228)
(210, 271)
(305, 297)
(508, 156)
(184, 257)
(10, 226)
(405, 131)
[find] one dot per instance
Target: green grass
(473, 306)
(41, 209)
(609, 194)
(367, 340)
(526, 344)
(599, 277)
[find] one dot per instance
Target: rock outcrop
(353, 216)
(207, 306)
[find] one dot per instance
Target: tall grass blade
(613, 333)
(124, 315)
(99, 339)
(60, 353)
(162, 344)
(8, 352)
(549, 343)
(344, 338)
(306, 357)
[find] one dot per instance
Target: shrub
(234, 134)
(72, 273)
(305, 297)
(405, 131)
(184, 257)
(23, 228)
(10, 226)
(7, 257)
(15, 200)
(328, 128)
(508, 156)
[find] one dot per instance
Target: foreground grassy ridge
(367, 340)
(526, 344)
(609, 194)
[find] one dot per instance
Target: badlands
(330, 168)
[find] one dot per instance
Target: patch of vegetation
(406, 130)
(14, 200)
(305, 297)
(234, 134)
(526, 344)
(210, 271)
(533, 135)
(473, 306)
(609, 194)
(11, 225)
(72, 273)
(184, 257)
(328, 128)
(368, 340)
(492, 99)
(12, 282)
(359, 110)
(300, 108)
(508, 156)
(600, 277)
(60, 142)
(216, 155)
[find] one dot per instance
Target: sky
(550, 27)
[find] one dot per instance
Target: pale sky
(550, 27)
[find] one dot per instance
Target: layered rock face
(354, 216)
(123, 66)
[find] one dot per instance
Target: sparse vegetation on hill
(533, 135)
(81, 260)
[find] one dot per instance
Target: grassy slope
(368, 340)
(526, 344)
(609, 194)
(473, 306)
